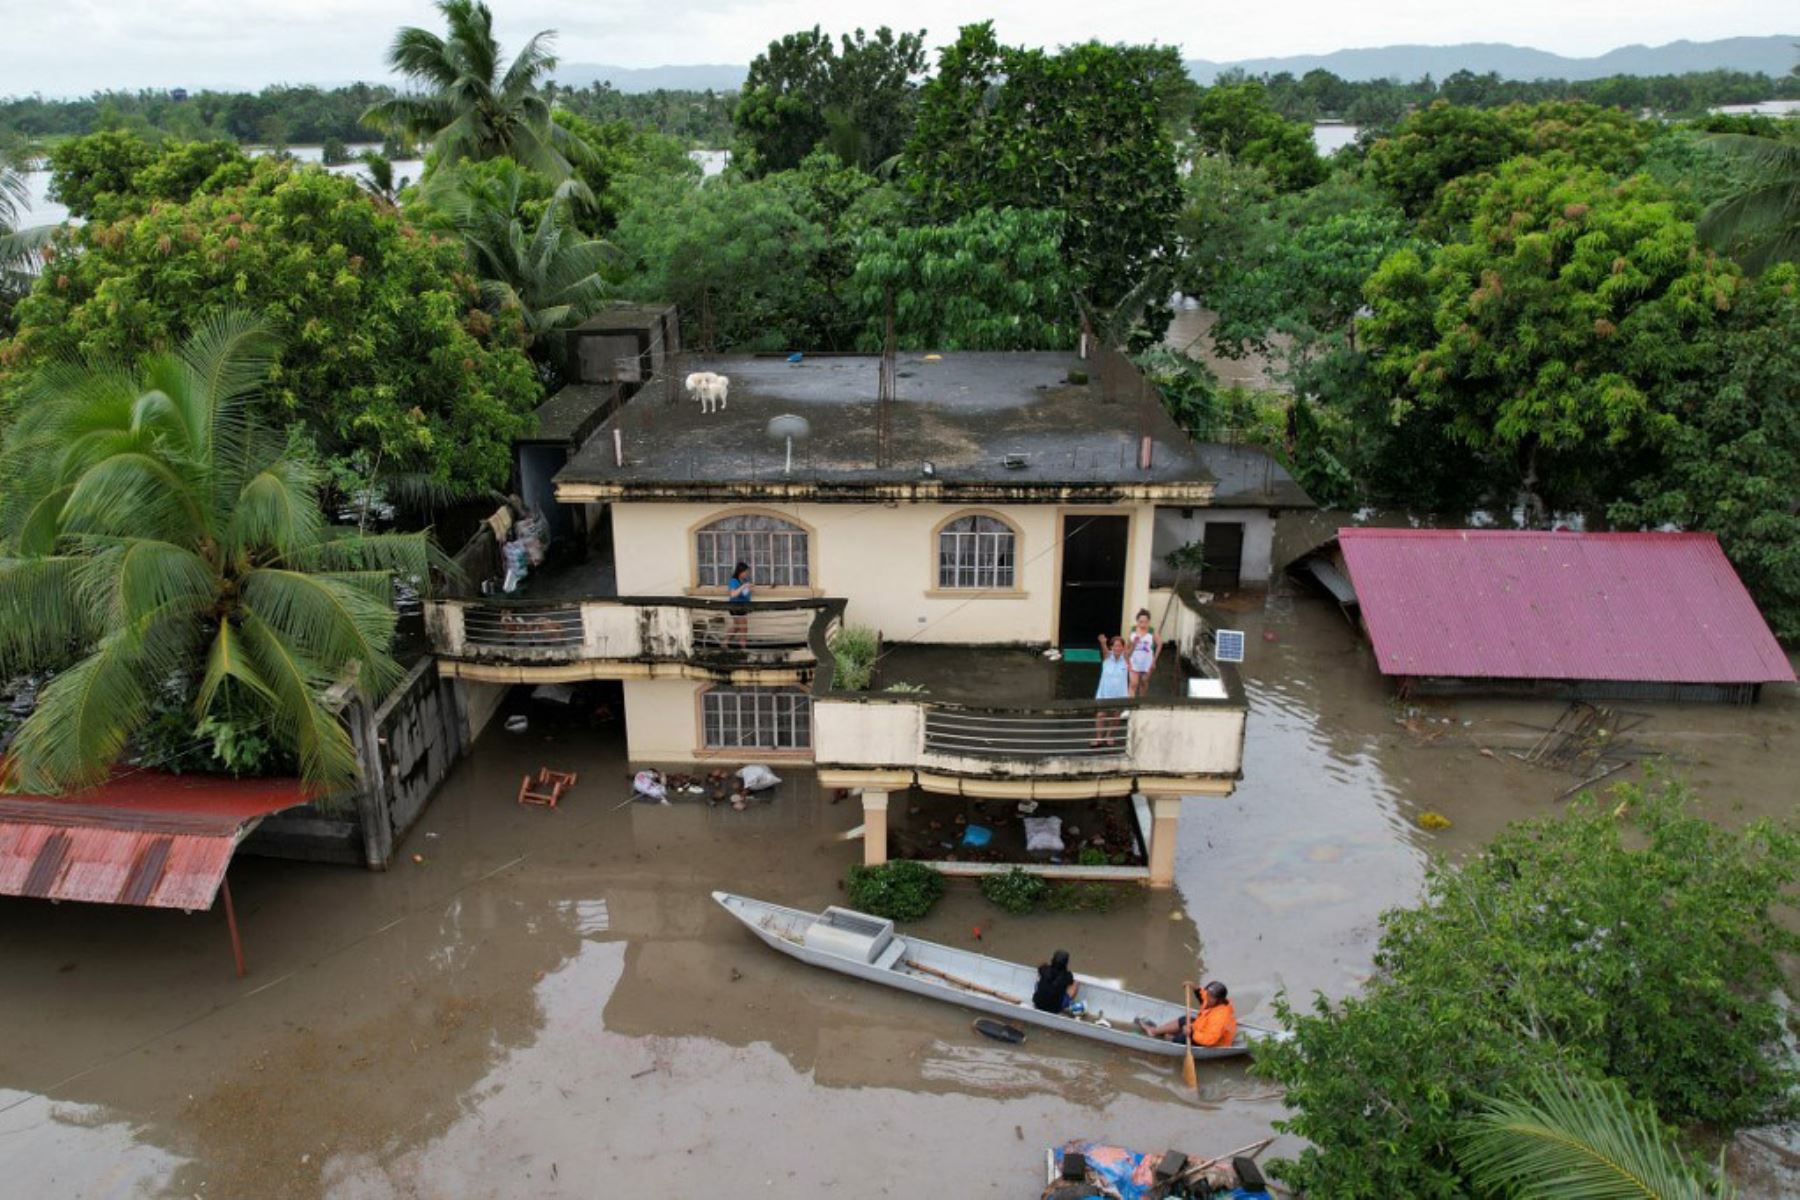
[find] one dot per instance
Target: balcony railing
(676, 629)
(1029, 735)
(1191, 725)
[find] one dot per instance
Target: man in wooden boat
(1056, 986)
(1214, 1025)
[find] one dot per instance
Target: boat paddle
(1189, 1076)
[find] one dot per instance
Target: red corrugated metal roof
(142, 838)
(1500, 604)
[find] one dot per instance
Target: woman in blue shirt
(737, 599)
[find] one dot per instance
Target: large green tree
(1238, 121)
(755, 264)
(1629, 939)
(993, 280)
(1080, 131)
(1550, 337)
(1732, 465)
(856, 99)
(384, 344)
(153, 529)
(471, 104)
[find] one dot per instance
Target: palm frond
(304, 724)
(277, 509)
(1579, 1139)
(87, 714)
(227, 659)
(133, 492)
(411, 555)
(1763, 155)
(328, 620)
(421, 55)
(535, 59)
(42, 618)
(226, 358)
(141, 579)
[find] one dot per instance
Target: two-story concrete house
(995, 508)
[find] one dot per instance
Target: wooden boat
(854, 943)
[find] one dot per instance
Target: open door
(1094, 551)
(1224, 556)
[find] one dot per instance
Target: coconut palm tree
(469, 107)
(1568, 1136)
(18, 247)
(1760, 225)
(152, 532)
(546, 269)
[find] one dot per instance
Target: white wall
(884, 561)
(660, 716)
(1174, 531)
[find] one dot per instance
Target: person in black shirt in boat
(1056, 986)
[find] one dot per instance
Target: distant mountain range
(1771, 55)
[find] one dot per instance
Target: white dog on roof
(709, 389)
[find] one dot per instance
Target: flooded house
(1590, 616)
(979, 520)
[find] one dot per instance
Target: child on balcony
(1115, 684)
(1145, 646)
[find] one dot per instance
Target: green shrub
(901, 890)
(1091, 856)
(854, 650)
(1018, 891)
(1081, 897)
(1627, 938)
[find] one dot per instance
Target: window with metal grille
(756, 718)
(976, 552)
(775, 549)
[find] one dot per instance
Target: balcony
(1006, 721)
(505, 640)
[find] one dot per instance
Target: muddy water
(550, 1005)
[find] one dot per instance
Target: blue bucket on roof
(977, 836)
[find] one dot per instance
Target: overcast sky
(70, 47)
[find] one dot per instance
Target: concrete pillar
(372, 797)
(1165, 822)
(875, 828)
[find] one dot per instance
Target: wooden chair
(550, 786)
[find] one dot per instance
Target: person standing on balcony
(1115, 684)
(737, 599)
(1145, 646)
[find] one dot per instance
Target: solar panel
(1228, 645)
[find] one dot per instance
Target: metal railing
(758, 629)
(517, 627)
(1101, 733)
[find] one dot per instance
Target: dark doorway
(1093, 578)
(1224, 555)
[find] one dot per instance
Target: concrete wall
(405, 747)
(660, 720)
(1173, 531)
(480, 702)
(884, 561)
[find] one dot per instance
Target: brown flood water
(551, 1005)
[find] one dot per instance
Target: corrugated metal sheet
(146, 839)
(1655, 607)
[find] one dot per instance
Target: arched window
(776, 550)
(976, 552)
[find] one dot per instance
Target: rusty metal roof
(143, 838)
(1503, 604)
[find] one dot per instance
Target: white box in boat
(852, 935)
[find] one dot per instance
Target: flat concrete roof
(1249, 477)
(964, 414)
